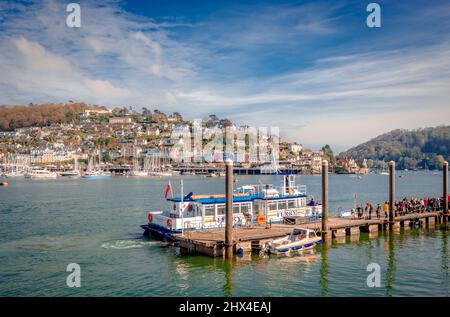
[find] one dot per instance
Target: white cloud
(118, 58)
(37, 70)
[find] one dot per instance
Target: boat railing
(261, 189)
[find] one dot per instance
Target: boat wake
(127, 244)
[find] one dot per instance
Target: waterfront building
(120, 120)
(295, 147)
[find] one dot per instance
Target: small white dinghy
(299, 240)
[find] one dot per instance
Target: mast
(181, 208)
(76, 166)
(99, 157)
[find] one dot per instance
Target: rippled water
(45, 225)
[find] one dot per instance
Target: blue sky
(312, 68)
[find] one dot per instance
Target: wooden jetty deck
(211, 242)
(229, 240)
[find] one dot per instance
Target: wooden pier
(212, 242)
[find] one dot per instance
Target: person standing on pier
(368, 210)
(378, 210)
(422, 205)
(386, 209)
(359, 210)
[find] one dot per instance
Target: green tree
(328, 153)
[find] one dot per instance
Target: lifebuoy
(150, 217)
(260, 219)
(190, 208)
(169, 223)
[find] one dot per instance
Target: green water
(45, 225)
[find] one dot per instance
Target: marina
(95, 224)
(214, 157)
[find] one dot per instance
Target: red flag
(167, 191)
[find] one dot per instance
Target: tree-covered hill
(12, 117)
(411, 149)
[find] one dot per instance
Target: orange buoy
(260, 219)
(169, 223)
(4, 184)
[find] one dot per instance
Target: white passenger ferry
(252, 204)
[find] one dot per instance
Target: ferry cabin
(249, 205)
(206, 212)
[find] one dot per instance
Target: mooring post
(391, 194)
(229, 209)
(445, 191)
(325, 228)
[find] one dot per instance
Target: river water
(47, 224)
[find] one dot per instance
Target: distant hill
(411, 149)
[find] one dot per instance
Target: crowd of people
(402, 207)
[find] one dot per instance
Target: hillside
(411, 149)
(12, 117)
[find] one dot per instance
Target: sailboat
(136, 171)
(384, 171)
(95, 173)
(156, 169)
(75, 172)
(14, 167)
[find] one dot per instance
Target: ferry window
(281, 204)
(220, 210)
(209, 210)
(245, 208)
(236, 208)
(273, 205)
(291, 203)
(262, 206)
(301, 203)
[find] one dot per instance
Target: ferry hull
(159, 232)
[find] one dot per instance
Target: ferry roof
(222, 200)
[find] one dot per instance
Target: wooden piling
(391, 194)
(229, 209)
(325, 228)
(445, 191)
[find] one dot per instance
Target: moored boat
(300, 239)
(252, 205)
(138, 173)
(13, 174)
(96, 175)
(70, 173)
(160, 174)
(40, 174)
